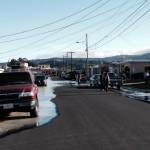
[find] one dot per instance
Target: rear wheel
(34, 112)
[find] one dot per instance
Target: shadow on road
(3, 118)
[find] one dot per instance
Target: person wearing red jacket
(79, 77)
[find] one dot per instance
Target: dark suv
(40, 80)
(18, 92)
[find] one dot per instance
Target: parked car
(62, 75)
(40, 80)
(67, 76)
(95, 80)
(18, 93)
(115, 80)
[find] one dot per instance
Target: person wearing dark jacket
(146, 78)
(101, 81)
(106, 81)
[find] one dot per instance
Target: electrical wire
(52, 22)
(125, 29)
(64, 27)
(38, 40)
(55, 32)
(106, 36)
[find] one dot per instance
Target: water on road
(47, 109)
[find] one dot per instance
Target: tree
(15, 62)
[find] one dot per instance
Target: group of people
(104, 81)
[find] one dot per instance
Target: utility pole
(71, 62)
(63, 63)
(67, 62)
(71, 59)
(54, 62)
(87, 60)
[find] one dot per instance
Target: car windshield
(39, 77)
(14, 78)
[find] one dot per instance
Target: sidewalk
(138, 86)
(16, 122)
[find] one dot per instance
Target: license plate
(8, 106)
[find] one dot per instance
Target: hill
(60, 61)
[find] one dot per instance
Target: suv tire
(34, 112)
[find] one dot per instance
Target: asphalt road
(88, 120)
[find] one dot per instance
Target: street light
(87, 59)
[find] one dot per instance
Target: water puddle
(47, 109)
(133, 93)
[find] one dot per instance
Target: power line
(55, 32)
(51, 22)
(81, 30)
(106, 36)
(125, 29)
(64, 27)
(28, 44)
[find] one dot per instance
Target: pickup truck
(18, 93)
(115, 80)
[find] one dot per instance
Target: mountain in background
(145, 56)
(55, 61)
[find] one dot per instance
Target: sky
(41, 29)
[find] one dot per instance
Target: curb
(17, 124)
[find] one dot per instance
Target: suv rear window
(39, 77)
(15, 78)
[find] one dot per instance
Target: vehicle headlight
(27, 94)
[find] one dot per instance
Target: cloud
(142, 51)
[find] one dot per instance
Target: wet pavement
(135, 93)
(48, 110)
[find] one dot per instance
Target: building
(133, 69)
(3, 66)
(94, 70)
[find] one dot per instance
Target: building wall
(24, 65)
(94, 70)
(3, 66)
(136, 67)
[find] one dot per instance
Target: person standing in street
(146, 77)
(106, 81)
(101, 81)
(79, 76)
